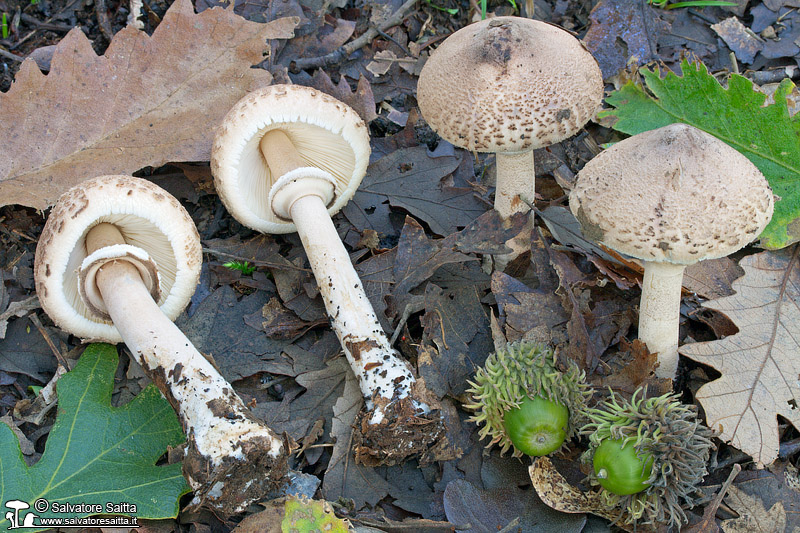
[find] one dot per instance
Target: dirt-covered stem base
(396, 405)
(232, 458)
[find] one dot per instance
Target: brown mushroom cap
(675, 194)
(509, 84)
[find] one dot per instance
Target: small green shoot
(448, 10)
(665, 4)
(5, 26)
(242, 266)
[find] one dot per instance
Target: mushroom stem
(227, 446)
(381, 374)
(379, 371)
(280, 153)
(659, 313)
(515, 180)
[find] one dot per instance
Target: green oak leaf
(97, 453)
(767, 135)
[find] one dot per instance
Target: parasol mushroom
(670, 197)
(118, 260)
(285, 159)
(509, 85)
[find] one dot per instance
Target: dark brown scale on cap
(680, 175)
(492, 80)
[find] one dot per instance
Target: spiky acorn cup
(521, 396)
(669, 442)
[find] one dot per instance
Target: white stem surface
(218, 425)
(366, 346)
(659, 314)
(515, 179)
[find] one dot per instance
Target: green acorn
(649, 455)
(525, 403)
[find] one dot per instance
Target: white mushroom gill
(315, 145)
(150, 236)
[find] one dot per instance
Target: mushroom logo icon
(13, 517)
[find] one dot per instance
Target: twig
(48, 21)
(59, 356)
(395, 41)
(734, 63)
(102, 19)
(28, 19)
(400, 526)
(787, 449)
(511, 526)
(708, 521)
(343, 52)
(760, 77)
(8, 55)
(701, 16)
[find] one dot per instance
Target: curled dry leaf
(147, 101)
(555, 491)
(759, 365)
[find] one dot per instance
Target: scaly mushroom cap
(148, 217)
(509, 84)
(675, 194)
(327, 134)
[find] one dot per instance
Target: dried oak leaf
(147, 101)
(557, 493)
(361, 100)
(753, 514)
(768, 498)
(759, 365)
(507, 508)
(344, 478)
(524, 309)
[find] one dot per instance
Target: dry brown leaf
(266, 521)
(638, 371)
(361, 100)
(556, 492)
(381, 63)
(712, 278)
(147, 101)
(760, 364)
(753, 516)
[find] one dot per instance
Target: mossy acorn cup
(524, 403)
(649, 455)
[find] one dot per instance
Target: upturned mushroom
(118, 260)
(286, 158)
(670, 197)
(509, 85)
